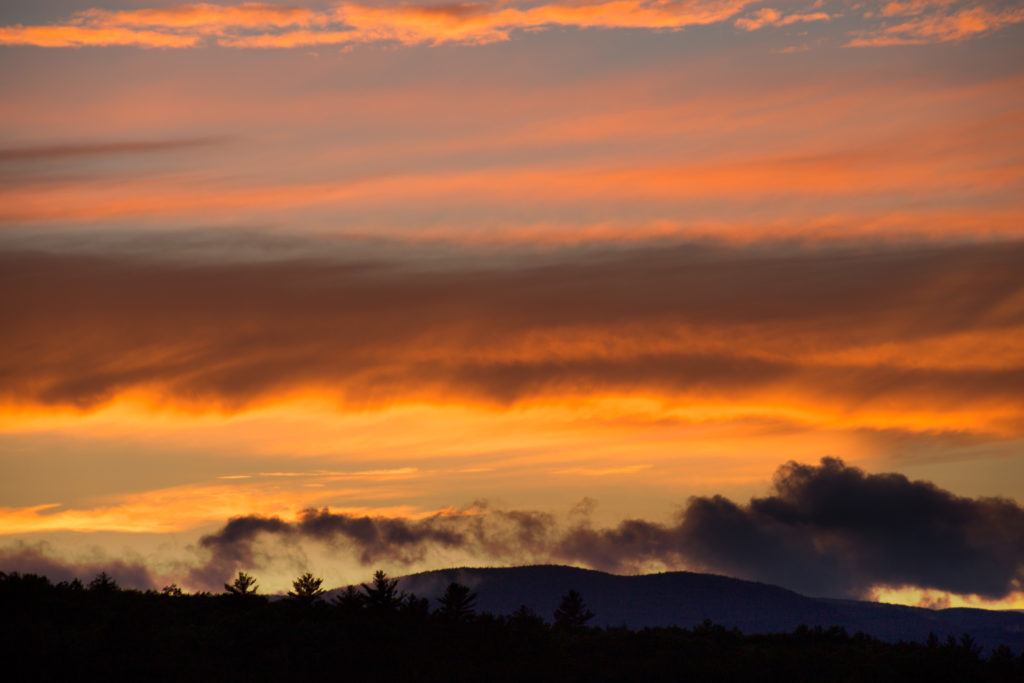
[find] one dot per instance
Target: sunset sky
(418, 285)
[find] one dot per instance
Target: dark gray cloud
(500, 535)
(832, 530)
(826, 529)
(832, 527)
(373, 326)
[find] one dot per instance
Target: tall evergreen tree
(242, 585)
(457, 603)
(350, 601)
(306, 588)
(382, 594)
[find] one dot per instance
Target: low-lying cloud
(826, 529)
(28, 558)
(823, 530)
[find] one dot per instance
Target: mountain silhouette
(687, 599)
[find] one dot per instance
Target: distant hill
(687, 599)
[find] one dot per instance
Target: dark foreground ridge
(380, 632)
(688, 599)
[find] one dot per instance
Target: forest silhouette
(376, 632)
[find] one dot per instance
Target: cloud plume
(826, 529)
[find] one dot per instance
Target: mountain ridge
(687, 599)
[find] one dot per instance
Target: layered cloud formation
(919, 337)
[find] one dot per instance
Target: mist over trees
(376, 632)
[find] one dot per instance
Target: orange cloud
(215, 18)
(260, 25)
(483, 24)
(772, 17)
(843, 173)
(181, 508)
(171, 27)
(85, 36)
(263, 25)
(913, 7)
(937, 22)
(908, 157)
(933, 599)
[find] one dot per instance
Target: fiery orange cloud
(184, 507)
(171, 27)
(187, 25)
(260, 25)
(933, 599)
(481, 24)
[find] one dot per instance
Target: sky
(717, 285)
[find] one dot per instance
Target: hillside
(687, 599)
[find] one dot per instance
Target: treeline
(70, 631)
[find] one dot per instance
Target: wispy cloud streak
(72, 150)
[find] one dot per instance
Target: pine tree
(307, 588)
(573, 614)
(350, 601)
(243, 585)
(457, 603)
(383, 593)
